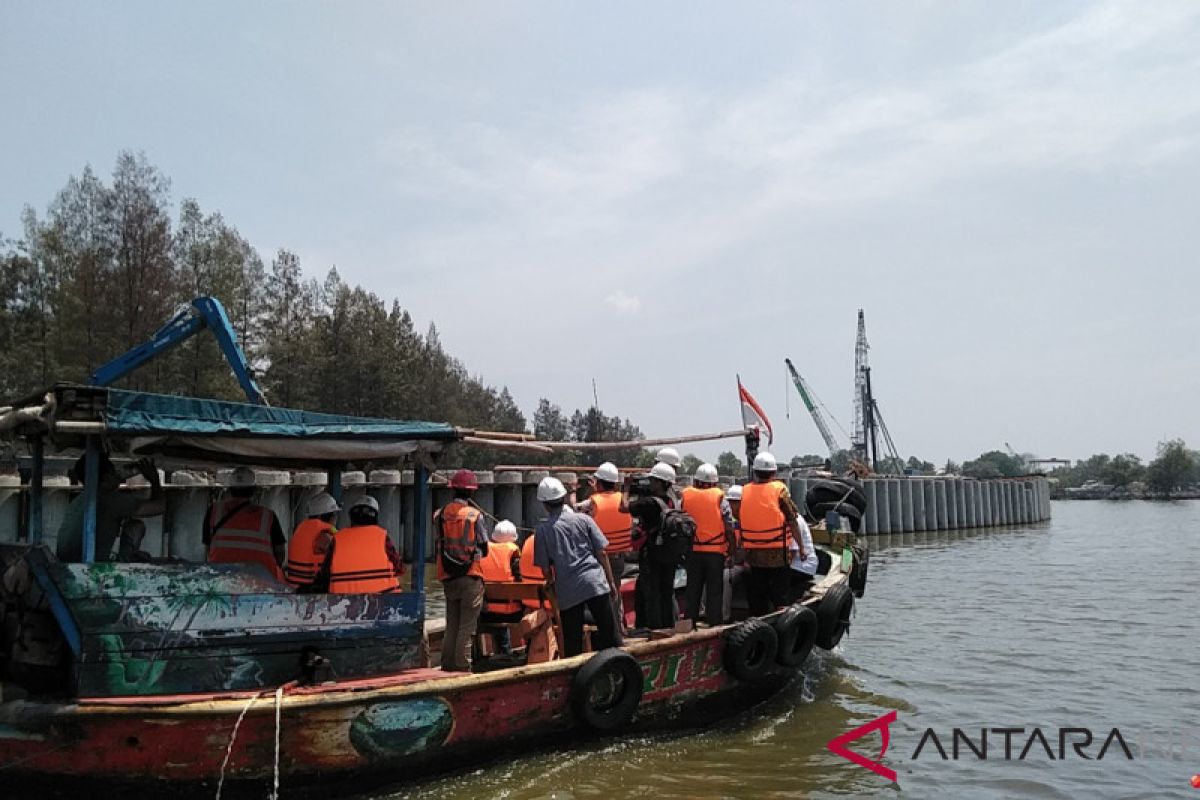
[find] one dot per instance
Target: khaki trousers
(464, 602)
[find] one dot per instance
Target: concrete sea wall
(894, 505)
(913, 503)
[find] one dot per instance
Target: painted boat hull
(355, 734)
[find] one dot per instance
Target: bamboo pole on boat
(505, 444)
(558, 467)
(705, 437)
(506, 436)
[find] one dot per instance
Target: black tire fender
(858, 574)
(796, 630)
(606, 691)
(750, 650)
(833, 490)
(833, 616)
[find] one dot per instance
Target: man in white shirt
(802, 570)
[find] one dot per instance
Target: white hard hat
(505, 531)
(551, 489)
(608, 472)
(765, 462)
(664, 472)
(706, 473)
(322, 503)
(734, 492)
(669, 455)
(366, 501)
(242, 476)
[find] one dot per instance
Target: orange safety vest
(360, 562)
(616, 526)
(531, 572)
(704, 506)
(456, 535)
(244, 537)
(497, 568)
(762, 521)
(303, 561)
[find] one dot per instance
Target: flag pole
(751, 436)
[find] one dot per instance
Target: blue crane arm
(204, 312)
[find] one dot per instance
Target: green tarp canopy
(192, 428)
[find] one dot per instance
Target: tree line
(1174, 468)
(107, 263)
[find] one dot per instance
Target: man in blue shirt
(569, 548)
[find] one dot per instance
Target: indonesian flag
(752, 413)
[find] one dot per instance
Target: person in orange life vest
(768, 518)
(362, 558)
(238, 530)
(310, 541)
(604, 506)
(462, 541)
(502, 564)
(712, 547)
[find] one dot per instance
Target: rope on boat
(232, 739)
(278, 707)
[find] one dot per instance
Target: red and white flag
(752, 413)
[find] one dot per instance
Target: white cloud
(623, 303)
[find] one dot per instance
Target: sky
(662, 196)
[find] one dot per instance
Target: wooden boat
(188, 677)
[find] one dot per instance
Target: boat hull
(359, 733)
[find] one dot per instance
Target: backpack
(453, 567)
(675, 535)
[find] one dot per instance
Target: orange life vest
(244, 537)
(456, 536)
(497, 568)
(531, 572)
(616, 526)
(303, 561)
(763, 524)
(360, 562)
(704, 506)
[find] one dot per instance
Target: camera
(639, 486)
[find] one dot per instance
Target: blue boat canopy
(224, 431)
(129, 413)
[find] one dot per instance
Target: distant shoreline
(1118, 496)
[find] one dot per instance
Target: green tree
(549, 424)
(690, 464)
(994, 464)
(951, 468)
(808, 460)
(1173, 469)
(140, 292)
(1124, 470)
(729, 465)
(840, 461)
(919, 467)
(595, 426)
